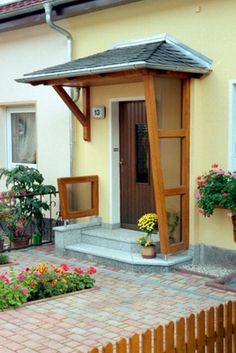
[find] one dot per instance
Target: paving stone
(122, 304)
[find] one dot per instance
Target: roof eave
(110, 69)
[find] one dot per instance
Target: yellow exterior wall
(207, 26)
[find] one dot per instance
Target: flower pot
(148, 252)
(1, 245)
(20, 243)
(234, 226)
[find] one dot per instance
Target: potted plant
(147, 223)
(217, 189)
(21, 207)
(1, 240)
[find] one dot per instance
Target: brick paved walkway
(121, 304)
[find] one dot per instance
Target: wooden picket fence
(210, 331)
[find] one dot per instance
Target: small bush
(42, 281)
(4, 259)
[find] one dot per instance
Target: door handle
(121, 162)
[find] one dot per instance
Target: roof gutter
(48, 13)
(48, 16)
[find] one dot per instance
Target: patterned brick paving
(121, 304)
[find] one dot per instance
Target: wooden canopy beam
(82, 117)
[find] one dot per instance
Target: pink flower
(79, 270)
(20, 278)
(24, 291)
(220, 172)
(15, 286)
(5, 279)
(91, 270)
(225, 194)
(215, 165)
(27, 269)
(197, 195)
(65, 267)
(23, 193)
(37, 273)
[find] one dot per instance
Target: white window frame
(9, 111)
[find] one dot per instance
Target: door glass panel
(173, 209)
(79, 196)
(142, 153)
(169, 103)
(171, 161)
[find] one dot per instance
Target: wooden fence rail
(210, 331)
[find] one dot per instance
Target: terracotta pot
(148, 252)
(234, 226)
(19, 243)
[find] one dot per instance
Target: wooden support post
(152, 124)
(83, 118)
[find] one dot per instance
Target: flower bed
(42, 281)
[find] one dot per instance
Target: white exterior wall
(21, 52)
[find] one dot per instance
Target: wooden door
(136, 188)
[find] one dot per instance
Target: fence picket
(169, 338)
(201, 332)
(191, 342)
(158, 340)
(210, 330)
(219, 328)
(234, 326)
(228, 327)
(121, 346)
(108, 348)
(134, 344)
(94, 350)
(147, 342)
(180, 336)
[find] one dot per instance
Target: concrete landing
(118, 248)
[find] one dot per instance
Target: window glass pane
(169, 106)
(23, 132)
(142, 154)
(171, 161)
(79, 196)
(173, 209)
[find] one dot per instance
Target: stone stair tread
(127, 257)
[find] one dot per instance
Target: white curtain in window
(23, 137)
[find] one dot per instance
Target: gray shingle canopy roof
(162, 54)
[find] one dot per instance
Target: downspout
(48, 16)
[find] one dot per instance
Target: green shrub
(4, 259)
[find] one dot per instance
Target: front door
(135, 170)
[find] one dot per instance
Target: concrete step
(126, 260)
(116, 239)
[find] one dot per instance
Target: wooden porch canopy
(129, 62)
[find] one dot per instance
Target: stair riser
(119, 264)
(110, 243)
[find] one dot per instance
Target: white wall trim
(114, 157)
(232, 126)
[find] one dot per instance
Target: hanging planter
(217, 189)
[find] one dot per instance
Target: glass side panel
(142, 153)
(169, 103)
(171, 161)
(79, 196)
(173, 209)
